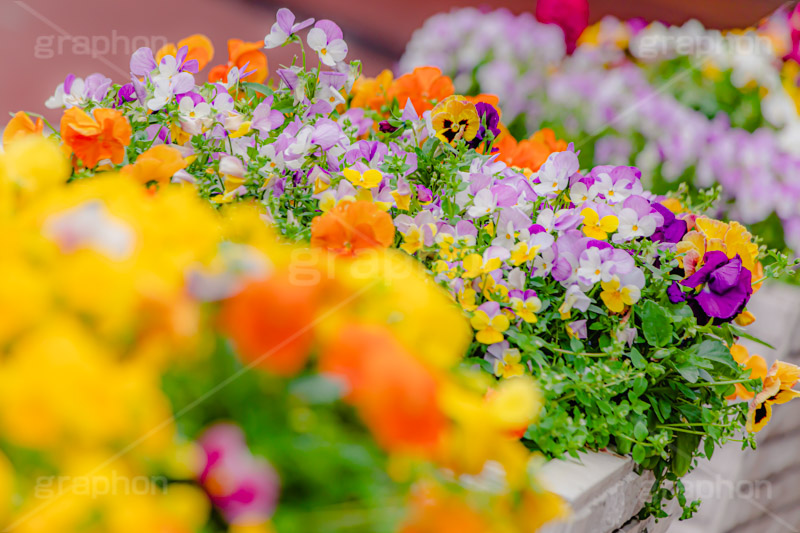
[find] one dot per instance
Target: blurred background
(44, 40)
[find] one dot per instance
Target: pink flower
(243, 487)
(572, 16)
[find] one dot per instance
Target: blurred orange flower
(270, 322)
(435, 511)
(157, 163)
(394, 393)
(21, 125)
(239, 54)
(371, 93)
(351, 227)
(93, 138)
(199, 48)
(529, 153)
(424, 86)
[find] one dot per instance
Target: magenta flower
(572, 16)
(243, 487)
(721, 288)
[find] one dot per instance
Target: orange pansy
(21, 125)
(351, 227)
(757, 366)
(529, 153)
(371, 93)
(425, 86)
(270, 323)
(157, 163)
(199, 48)
(395, 394)
(239, 54)
(92, 138)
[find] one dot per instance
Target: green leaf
(685, 447)
(640, 430)
(656, 325)
(639, 385)
(258, 87)
(716, 351)
(637, 359)
(690, 373)
(638, 453)
(708, 446)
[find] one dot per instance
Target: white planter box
(604, 493)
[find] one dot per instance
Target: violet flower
(721, 288)
(284, 28)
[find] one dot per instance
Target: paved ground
(43, 40)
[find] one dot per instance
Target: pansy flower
(525, 304)
(616, 296)
(421, 87)
(596, 227)
(20, 126)
(720, 289)
(102, 135)
(505, 361)
(490, 323)
(77, 92)
(554, 175)
(454, 119)
(245, 59)
(754, 363)
(777, 389)
(284, 28)
(352, 227)
(198, 52)
(325, 38)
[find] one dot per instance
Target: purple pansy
(721, 288)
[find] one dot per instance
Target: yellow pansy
(596, 227)
(617, 298)
(367, 179)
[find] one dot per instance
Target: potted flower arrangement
(623, 306)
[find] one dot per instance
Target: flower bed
(683, 104)
(423, 320)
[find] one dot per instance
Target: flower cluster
(116, 372)
(733, 121)
(621, 304)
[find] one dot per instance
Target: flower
(371, 93)
(505, 360)
(490, 323)
(528, 153)
(158, 163)
(712, 235)
(596, 227)
(777, 389)
(199, 52)
(553, 176)
(270, 322)
(721, 288)
(617, 298)
(352, 227)
(369, 179)
(92, 138)
(325, 38)
(242, 486)
(572, 16)
(756, 365)
(490, 121)
(244, 59)
(284, 28)
(525, 304)
(454, 119)
(21, 125)
(423, 87)
(394, 393)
